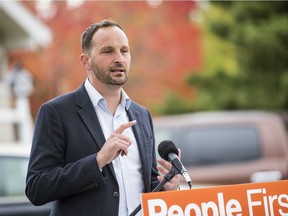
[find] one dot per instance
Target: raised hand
(116, 144)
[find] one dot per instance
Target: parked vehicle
(228, 147)
(13, 167)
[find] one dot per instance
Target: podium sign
(255, 199)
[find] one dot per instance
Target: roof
(20, 28)
(216, 117)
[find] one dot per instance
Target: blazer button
(115, 194)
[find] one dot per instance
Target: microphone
(168, 151)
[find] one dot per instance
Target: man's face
(110, 56)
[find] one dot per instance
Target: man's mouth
(118, 70)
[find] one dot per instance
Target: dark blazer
(63, 166)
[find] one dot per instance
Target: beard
(107, 77)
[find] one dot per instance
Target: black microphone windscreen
(165, 148)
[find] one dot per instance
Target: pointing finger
(124, 126)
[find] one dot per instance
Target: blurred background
(187, 56)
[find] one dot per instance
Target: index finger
(124, 126)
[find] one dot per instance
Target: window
(13, 175)
(162, 134)
(202, 146)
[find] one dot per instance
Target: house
(19, 29)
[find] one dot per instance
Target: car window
(162, 134)
(202, 146)
(13, 174)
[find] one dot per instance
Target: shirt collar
(96, 97)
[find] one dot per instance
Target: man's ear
(84, 59)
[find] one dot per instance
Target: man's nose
(118, 57)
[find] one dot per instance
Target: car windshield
(13, 174)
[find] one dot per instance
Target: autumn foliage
(164, 42)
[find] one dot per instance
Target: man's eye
(107, 51)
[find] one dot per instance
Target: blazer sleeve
(49, 177)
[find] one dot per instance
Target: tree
(249, 68)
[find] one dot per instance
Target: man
(93, 149)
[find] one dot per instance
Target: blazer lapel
(88, 115)
(143, 151)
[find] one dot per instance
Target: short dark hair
(87, 35)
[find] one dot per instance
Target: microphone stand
(167, 178)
